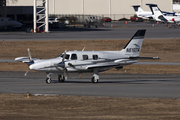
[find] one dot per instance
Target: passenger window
(95, 57)
(73, 57)
(85, 57)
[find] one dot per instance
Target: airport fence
(82, 18)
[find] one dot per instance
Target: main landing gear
(61, 78)
(95, 77)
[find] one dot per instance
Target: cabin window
(85, 57)
(73, 57)
(95, 57)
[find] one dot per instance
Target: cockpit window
(67, 56)
(73, 57)
(95, 57)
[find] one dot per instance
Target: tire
(48, 80)
(94, 80)
(61, 78)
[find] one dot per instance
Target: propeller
(30, 59)
(62, 64)
(26, 72)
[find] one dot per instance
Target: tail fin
(133, 47)
(137, 9)
(155, 10)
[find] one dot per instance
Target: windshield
(67, 56)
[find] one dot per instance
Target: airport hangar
(22, 10)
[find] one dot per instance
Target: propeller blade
(29, 54)
(64, 56)
(26, 72)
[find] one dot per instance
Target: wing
(25, 59)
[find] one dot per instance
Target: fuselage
(83, 61)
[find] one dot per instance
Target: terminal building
(22, 10)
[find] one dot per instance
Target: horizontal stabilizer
(143, 58)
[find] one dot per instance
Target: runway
(120, 31)
(110, 85)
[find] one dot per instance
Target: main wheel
(94, 80)
(48, 80)
(61, 78)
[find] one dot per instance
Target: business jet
(160, 17)
(88, 61)
(141, 13)
(8, 22)
(148, 14)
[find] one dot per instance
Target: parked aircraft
(141, 13)
(148, 14)
(8, 22)
(158, 15)
(88, 61)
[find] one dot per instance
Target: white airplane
(148, 15)
(141, 13)
(159, 16)
(8, 22)
(88, 61)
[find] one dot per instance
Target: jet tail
(133, 47)
(155, 11)
(137, 9)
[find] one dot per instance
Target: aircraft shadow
(144, 81)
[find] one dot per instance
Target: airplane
(141, 13)
(149, 15)
(158, 15)
(87, 61)
(9, 22)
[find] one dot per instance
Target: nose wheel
(48, 79)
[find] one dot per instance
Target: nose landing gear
(48, 79)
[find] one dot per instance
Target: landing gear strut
(48, 79)
(95, 77)
(61, 78)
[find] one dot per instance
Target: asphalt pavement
(110, 85)
(119, 31)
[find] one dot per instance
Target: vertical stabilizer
(155, 10)
(133, 47)
(137, 9)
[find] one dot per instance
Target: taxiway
(110, 85)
